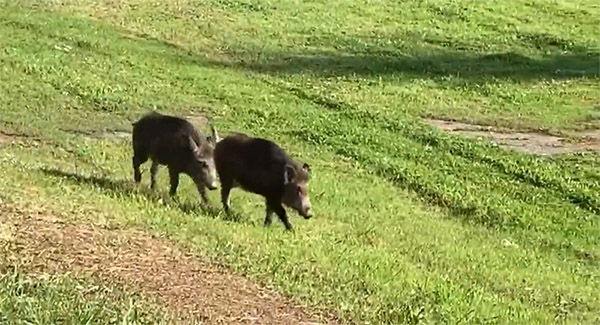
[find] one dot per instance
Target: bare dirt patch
(177, 278)
(201, 122)
(198, 120)
(5, 138)
(529, 142)
(22, 140)
(115, 135)
(10, 137)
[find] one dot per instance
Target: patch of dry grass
(42, 243)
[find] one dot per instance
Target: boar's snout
(307, 214)
(203, 173)
(212, 181)
(212, 186)
(210, 176)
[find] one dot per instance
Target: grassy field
(65, 300)
(410, 224)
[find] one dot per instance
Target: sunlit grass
(411, 224)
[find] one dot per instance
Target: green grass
(411, 224)
(67, 300)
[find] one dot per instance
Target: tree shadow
(130, 188)
(471, 67)
(573, 61)
(445, 58)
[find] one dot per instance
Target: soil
(529, 142)
(10, 138)
(199, 121)
(115, 135)
(178, 279)
(4, 138)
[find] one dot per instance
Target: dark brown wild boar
(260, 166)
(176, 143)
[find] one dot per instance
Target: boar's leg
(138, 160)
(275, 206)
(153, 172)
(226, 185)
(269, 217)
(174, 179)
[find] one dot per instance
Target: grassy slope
(64, 300)
(412, 223)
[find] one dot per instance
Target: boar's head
(295, 192)
(201, 166)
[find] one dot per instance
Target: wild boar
(176, 143)
(261, 167)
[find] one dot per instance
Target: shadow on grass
(130, 188)
(469, 67)
(568, 61)
(574, 61)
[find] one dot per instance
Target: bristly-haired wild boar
(262, 167)
(176, 143)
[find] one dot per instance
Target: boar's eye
(203, 163)
(299, 189)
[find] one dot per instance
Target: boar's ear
(215, 136)
(289, 173)
(193, 145)
(211, 141)
(306, 167)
